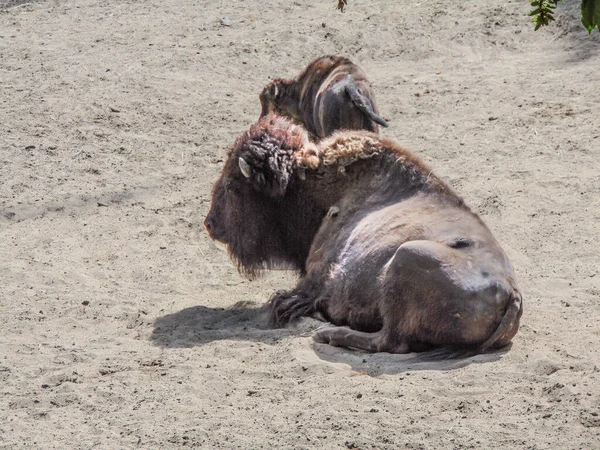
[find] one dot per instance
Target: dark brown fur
(249, 215)
(388, 252)
(331, 94)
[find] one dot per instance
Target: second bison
(331, 94)
(388, 252)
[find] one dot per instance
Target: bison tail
(508, 325)
(500, 338)
(363, 104)
(290, 307)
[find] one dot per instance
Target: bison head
(280, 97)
(249, 198)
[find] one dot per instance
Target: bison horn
(245, 167)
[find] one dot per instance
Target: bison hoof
(349, 338)
(335, 336)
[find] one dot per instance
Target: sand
(122, 325)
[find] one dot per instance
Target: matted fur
(288, 134)
(345, 148)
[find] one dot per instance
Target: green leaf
(590, 14)
(543, 12)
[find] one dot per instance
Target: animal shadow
(245, 321)
(200, 325)
(375, 364)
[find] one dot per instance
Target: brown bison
(331, 94)
(388, 252)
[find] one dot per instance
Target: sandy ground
(122, 325)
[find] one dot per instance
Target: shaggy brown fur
(388, 252)
(244, 209)
(331, 94)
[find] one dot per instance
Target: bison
(387, 252)
(331, 94)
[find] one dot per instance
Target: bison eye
(228, 185)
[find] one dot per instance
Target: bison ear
(245, 167)
(270, 180)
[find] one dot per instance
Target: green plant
(543, 13)
(590, 14)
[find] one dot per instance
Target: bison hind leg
(349, 338)
(286, 307)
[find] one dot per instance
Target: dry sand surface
(122, 325)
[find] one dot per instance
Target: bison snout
(209, 224)
(215, 227)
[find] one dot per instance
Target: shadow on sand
(375, 364)
(200, 325)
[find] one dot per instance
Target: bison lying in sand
(387, 251)
(331, 94)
